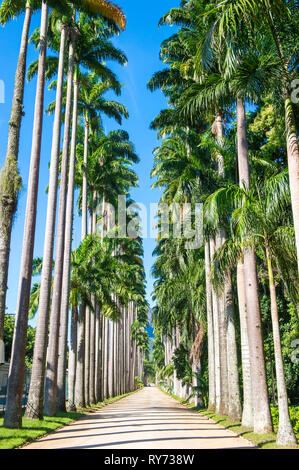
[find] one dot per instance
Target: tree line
(102, 281)
(226, 314)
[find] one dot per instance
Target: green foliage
(294, 416)
(9, 323)
(138, 383)
(181, 364)
(149, 371)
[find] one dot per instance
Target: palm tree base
(285, 437)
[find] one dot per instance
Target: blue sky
(141, 42)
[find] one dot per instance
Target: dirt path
(148, 419)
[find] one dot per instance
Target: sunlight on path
(148, 419)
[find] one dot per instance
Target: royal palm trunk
(79, 385)
(262, 416)
(67, 261)
(72, 360)
(98, 368)
(215, 307)
(34, 408)
(247, 414)
(93, 319)
(211, 355)
(52, 353)
(10, 180)
(65, 290)
(293, 165)
(13, 410)
(234, 400)
(285, 433)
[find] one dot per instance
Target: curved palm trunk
(13, 412)
(65, 290)
(262, 415)
(10, 180)
(34, 408)
(52, 353)
(293, 165)
(247, 415)
(211, 355)
(285, 433)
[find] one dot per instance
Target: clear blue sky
(141, 42)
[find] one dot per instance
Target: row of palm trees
(224, 57)
(103, 280)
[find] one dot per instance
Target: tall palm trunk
(72, 360)
(110, 360)
(222, 312)
(79, 385)
(215, 306)
(87, 356)
(211, 355)
(105, 358)
(225, 298)
(84, 185)
(285, 433)
(80, 376)
(247, 415)
(10, 180)
(87, 339)
(234, 399)
(98, 368)
(261, 408)
(52, 353)
(293, 165)
(92, 358)
(65, 289)
(34, 408)
(67, 255)
(13, 410)
(121, 349)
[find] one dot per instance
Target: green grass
(34, 428)
(262, 441)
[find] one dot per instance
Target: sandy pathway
(148, 419)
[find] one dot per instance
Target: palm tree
(35, 398)
(50, 232)
(10, 180)
(269, 21)
(13, 415)
(262, 217)
(65, 289)
(13, 411)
